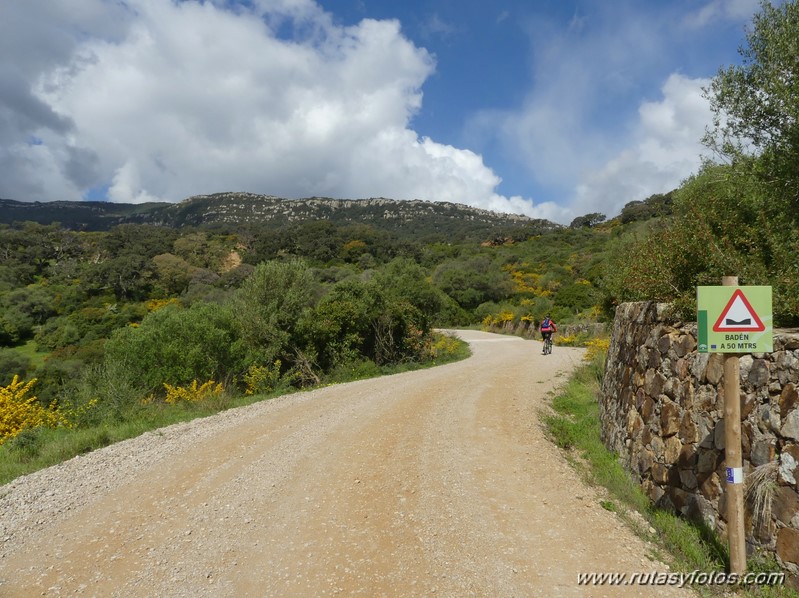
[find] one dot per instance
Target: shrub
(596, 347)
(269, 305)
(357, 320)
(19, 412)
(121, 393)
(12, 360)
(445, 346)
(354, 370)
(176, 345)
(192, 393)
(262, 378)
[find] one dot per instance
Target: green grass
(575, 427)
(38, 448)
(30, 351)
(35, 449)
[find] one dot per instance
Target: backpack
(546, 325)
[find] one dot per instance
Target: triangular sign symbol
(738, 316)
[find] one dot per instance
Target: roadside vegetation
(573, 425)
(38, 437)
(737, 216)
(106, 334)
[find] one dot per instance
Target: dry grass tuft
(760, 487)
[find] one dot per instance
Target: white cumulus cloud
(664, 150)
(184, 98)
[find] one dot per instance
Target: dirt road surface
(432, 483)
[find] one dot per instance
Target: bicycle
(548, 345)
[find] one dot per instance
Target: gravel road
(431, 483)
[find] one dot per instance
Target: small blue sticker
(735, 475)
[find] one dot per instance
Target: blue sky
(552, 109)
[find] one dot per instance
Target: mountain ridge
(230, 209)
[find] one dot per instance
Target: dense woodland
(76, 305)
(100, 328)
(128, 315)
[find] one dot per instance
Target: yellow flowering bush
(525, 282)
(192, 393)
(156, 304)
(19, 412)
(596, 346)
(528, 282)
(504, 316)
(262, 378)
(444, 345)
(568, 340)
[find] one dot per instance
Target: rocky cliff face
(662, 412)
(234, 209)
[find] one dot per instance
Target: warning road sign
(741, 318)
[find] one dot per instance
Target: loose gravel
(438, 482)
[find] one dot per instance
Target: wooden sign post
(732, 455)
(730, 320)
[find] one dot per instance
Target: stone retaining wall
(662, 410)
(528, 330)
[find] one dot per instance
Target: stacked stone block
(662, 410)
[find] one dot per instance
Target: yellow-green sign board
(734, 319)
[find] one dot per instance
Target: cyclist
(547, 329)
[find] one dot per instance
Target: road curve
(438, 482)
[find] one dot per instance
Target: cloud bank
(607, 119)
(158, 101)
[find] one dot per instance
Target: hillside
(414, 219)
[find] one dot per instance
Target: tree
(128, 275)
(317, 240)
(404, 279)
(588, 220)
(33, 301)
(719, 228)
(739, 218)
(269, 305)
(473, 281)
(756, 104)
(202, 250)
(174, 273)
(359, 320)
(138, 239)
(29, 249)
(659, 204)
(756, 127)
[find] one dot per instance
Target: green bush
(473, 281)
(269, 307)
(176, 345)
(356, 321)
(718, 229)
(13, 363)
(405, 280)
